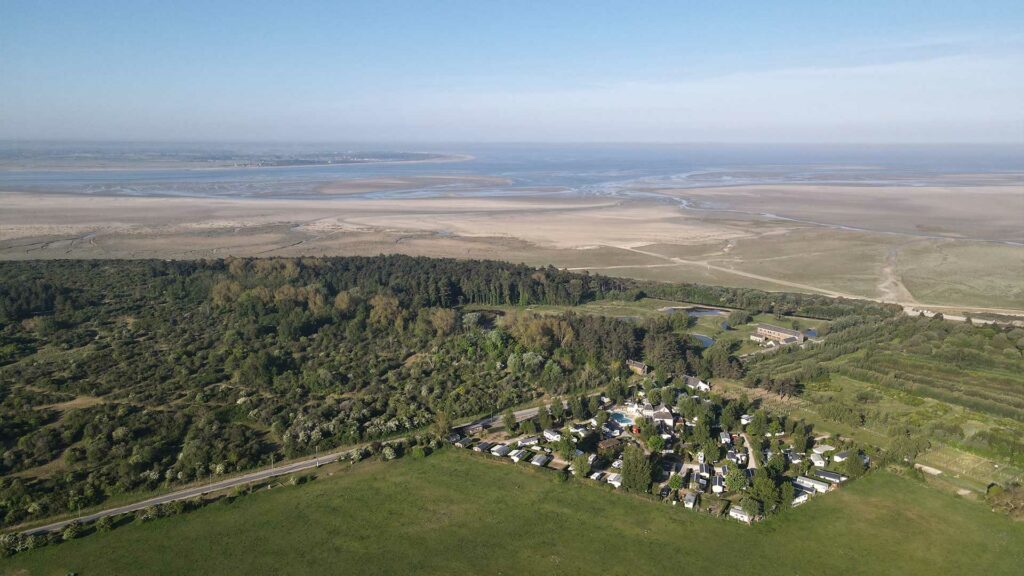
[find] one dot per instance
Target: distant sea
(125, 169)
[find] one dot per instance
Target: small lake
(705, 341)
(694, 311)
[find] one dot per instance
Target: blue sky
(514, 71)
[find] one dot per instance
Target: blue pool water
(622, 419)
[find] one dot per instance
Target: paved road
(524, 414)
(188, 493)
(251, 477)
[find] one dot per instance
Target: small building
(705, 470)
(740, 514)
(694, 383)
(746, 419)
(841, 456)
(690, 500)
(473, 429)
(552, 435)
(647, 411)
(608, 446)
(500, 450)
(519, 455)
(578, 429)
(833, 477)
(453, 437)
(617, 464)
(778, 334)
(483, 447)
(540, 460)
(724, 438)
(638, 367)
(598, 476)
(664, 416)
(800, 497)
(529, 441)
(811, 485)
(614, 480)
(758, 338)
(818, 460)
(738, 457)
(718, 484)
(823, 448)
(465, 442)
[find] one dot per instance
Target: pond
(694, 311)
(705, 341)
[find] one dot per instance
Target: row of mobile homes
(833, 477)
(810, 484)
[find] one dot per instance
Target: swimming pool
(622, 419)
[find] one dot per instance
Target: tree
(386, 310)
(750, 505)
(654, 396)
(636, 470)
(528, 427)
(712, 452)
(646, 427)
(655, 443)
(581, 465)
(442, 425)
(601, 418)
(735, 480)
(545, 417)
(765, 490)
(675, 482)
(786, 494)
(579, 408)
(509, 420)
(853, 466)
(759, 424)
(565, 445)
(738, 318)
(800, 440)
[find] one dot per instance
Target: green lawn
(460, 513)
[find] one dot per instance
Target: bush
(105, 524)
(72, 531)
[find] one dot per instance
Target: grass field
(969, 470)
(458, 513)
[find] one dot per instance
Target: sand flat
(658, 239)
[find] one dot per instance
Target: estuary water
(528, 169)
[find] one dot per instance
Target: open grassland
(978, 274)
(456, 513)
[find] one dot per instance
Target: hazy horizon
(459, 72)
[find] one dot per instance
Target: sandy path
(707, 264)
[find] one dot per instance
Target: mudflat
(894, 243)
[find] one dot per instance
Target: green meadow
(462, 513)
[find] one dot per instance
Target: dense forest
(120, 376)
